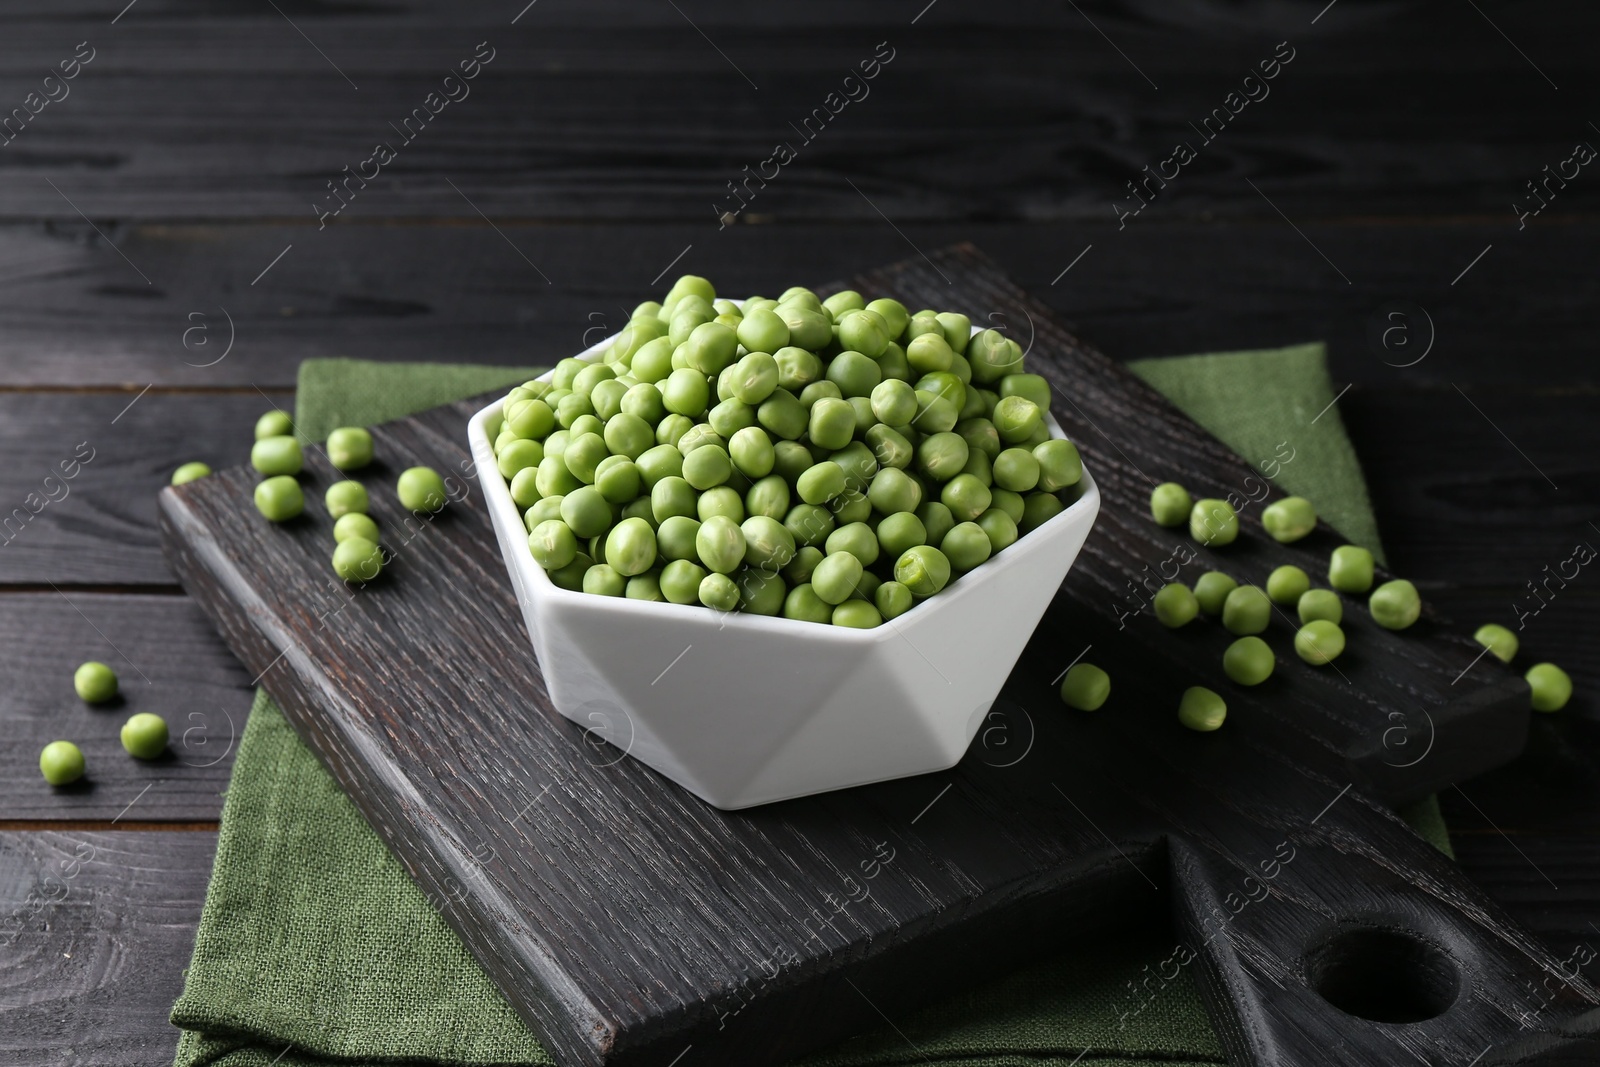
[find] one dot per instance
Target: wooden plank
(1004, 854)
(168, 660)
(81, 472)
(75, 313)
(638, 116)
(96, 929)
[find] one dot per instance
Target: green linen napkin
(314, 947)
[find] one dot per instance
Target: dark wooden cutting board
(631, 923)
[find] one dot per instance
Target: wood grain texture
(226, 110)
(81, 472)
(76, 313)
(94, 929)
(169, 661)
(1105, 809)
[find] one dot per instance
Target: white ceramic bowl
(749, 709)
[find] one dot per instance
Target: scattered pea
(1287, 584)
(1501, 642)
(1319, 641)
(1249, 661)
(355, 524)
(280, 498)
(1211, 591)
(95, 682)
(357, 560)
(277, 455)
(1175, 605)
(1246, 610)
(1289, 519)
(350, 447)
(190, 472)
(347, 498)
(61, 763)
(1085, 687)
(274, 424)
(1551, 686)
(1320, 604)
(1213, 522)
(144, 735)
(420, 489)
(1170, 504)
(1350, 569)
(1201, 709)
(1395, 605)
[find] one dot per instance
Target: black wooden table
(1405, 187)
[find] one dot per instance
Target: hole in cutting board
(1385, 976)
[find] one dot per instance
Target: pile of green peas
(835, 461)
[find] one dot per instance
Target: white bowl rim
(504, 510)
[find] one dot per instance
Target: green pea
(280, 498)
(618, 479)
(525, 487)
(554, 479)
(809, 523)
(1246, 610)
(894, 490)
(420, 489)
(832, 423)
(706, 467)
(1289, 519)
(783, 416)
(719, 592)
(623, 435)
(821, 482)
(1501, 642)
(1085, 687)
(658, 462)
(686, 392)
(61, 762)
(1395, 605)
(1038, 509)
(935, 414)
(571, 408)
(607, 400)
(936, 520)
(355, 525)
(1175, 605)
(672, 496)
(1060, 465)
(645, 586)
(834, 579)
(1033, 386)
(1202, 709)
(941, 456)
(981, 436)
(1319, 641)
(854, 373)
(602, 579)
(894, 402)
(761, 592)
(858, 463)
(946, 385)
(1213, 522)
(993, 360)
(768, 496)
(519, 455)
(94, 682)
(1170, 504)
(587, 512)
(571, 576)
(653, 361)
(855, 538)
(768, 545)
(644, 401)
(709, 348)
(999, 527)
(1211, 590)
(1248, 661)
(803, 564)
(632, 337)
(190, 472)
(680, 581)
(1350, 569)
(797, 368)
(900, 531)
(669, 431)
(966, 497)
(631, 547)
(590, 376)
(274, 424)
(928, 353)
(889, 447)
(1320, 605)
(720, 544)
(864, 331)
(804, 604)
(892, 312)
(762, 330)
(355, 559)
(277, 455)
(1287, 584)
(552, 544)
(675, 537)
(850, 506)
(1016, 469)
(957, 329)
(637, 508)
(347, 498)
(980, 467)
(144, 736)
(1551, 686)
(809, 328)
(966, 546)
(531, 418)
(731, 416)
(556, 443)
(857, 614)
